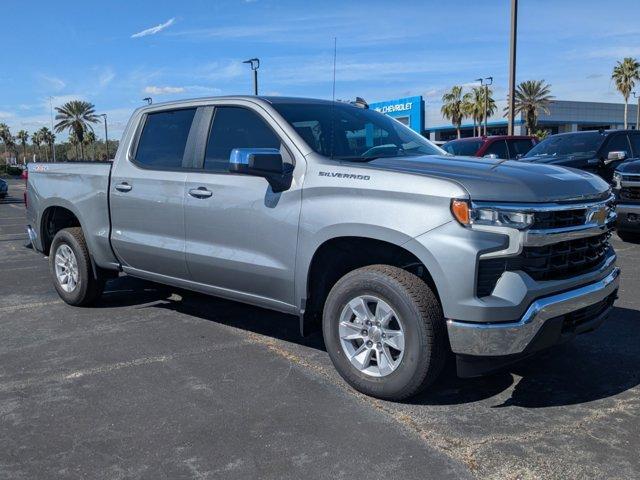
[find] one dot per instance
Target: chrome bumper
(509, 338)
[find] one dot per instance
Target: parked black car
(599, 152)
(626, 186)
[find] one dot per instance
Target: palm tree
(5, 135)
(23, 136)
(77, 117)
(625, 74)
(73, 140)
(90, 140)
(36, 140)
(453, 107)
(531, 98)
(48, 138)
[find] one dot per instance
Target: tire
(416, 313)
(87, 287)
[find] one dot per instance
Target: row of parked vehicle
(614, 155)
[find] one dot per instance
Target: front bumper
(513, 338)
(628, 217)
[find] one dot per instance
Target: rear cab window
(519, 147)
(498, 148)
(163, 139)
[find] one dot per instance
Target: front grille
(550, 262)
(578, 318)
(630, 194)
(559, 219)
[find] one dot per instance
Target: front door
(148, 194)
(241, 237)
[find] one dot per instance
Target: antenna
(333, 93)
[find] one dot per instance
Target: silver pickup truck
(346, 218)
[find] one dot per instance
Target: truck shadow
(596, 365)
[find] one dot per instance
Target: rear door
(241, 237)
(147, 195)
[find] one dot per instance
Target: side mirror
(262, 162)
(615, 156)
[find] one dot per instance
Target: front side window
(346, 132)
(164, 138)
(235, 127)
(617, 143)
(466, 148)
(498, 148)
(519, 148)
(635, 143)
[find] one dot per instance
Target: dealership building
(564, 116)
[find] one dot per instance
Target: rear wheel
(385, 332)
(71, 269)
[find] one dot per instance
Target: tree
(23, 136)
(48, 138)
(36, 140)
(532, 97)
(453, 107)
(77, 117)
(5, 135)
(73, 140)
(90, 140)
(474, 107)
(625, 74)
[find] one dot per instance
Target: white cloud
(154, 30)
(53, 82)
(153, 90)
(106, 77)
(4, 115)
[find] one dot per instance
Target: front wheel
(385, 332)
(71, 270)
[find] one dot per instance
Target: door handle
(123, 187)
(200, 192)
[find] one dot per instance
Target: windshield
(346, 132)
(467, 148)
(577, 145)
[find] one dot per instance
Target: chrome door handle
(200, 192)
(123, 187)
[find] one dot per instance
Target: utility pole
(512, 64)
(486, 101)
(106, 134)
(53, 145)
(637, 111)
(255, 65)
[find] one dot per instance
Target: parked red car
(498, 146)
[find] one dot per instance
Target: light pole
(255, 65)
(106, 134)
(474, 122)
(512, 64)
(637, 111)
(488, 81)
(53, 145)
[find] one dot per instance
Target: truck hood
(502, 181)
(629, 167)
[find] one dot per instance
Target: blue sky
(114, 53)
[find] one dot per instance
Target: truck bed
(80, 187)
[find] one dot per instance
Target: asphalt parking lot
(153, 383)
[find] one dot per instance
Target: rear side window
(519, 147)
(163, 138)
(235, 127)
(466, 148)
(497, 148)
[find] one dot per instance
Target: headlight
(617, 179)
(467, 216)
